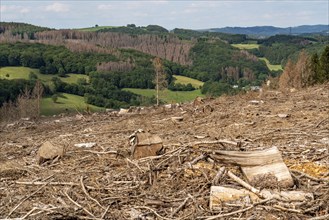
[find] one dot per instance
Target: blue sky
(167, 13)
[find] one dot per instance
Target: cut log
(278, 169)
(256, 163)
(220, 195)
(249, 158)
(296, 196)
(145, 145)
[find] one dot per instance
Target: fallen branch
(106, 210)
(245, 185)
(11, 212)
(214, 142)
(287, 210)
(197, 159)
(218, 176)
(310, 177)
(318, 124)
(320, 217)
(52, 184)
(238, 211)
(87, 194)
(154, 212)
(105, 152)
(29, 213)
(180, 207)
(78, 205)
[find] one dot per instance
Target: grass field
(65, 103)
(169, 96)
(246, 46)
(94, 28)
(24, 72)
(270, 66)
(186, 80)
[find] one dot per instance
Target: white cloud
(14, 8)
(3, 8)
(104, 7)
(160, 2)
(57, 7)
(24, 10)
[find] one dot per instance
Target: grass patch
(94, 28)
(169, 96)
(73, 78)
(186, 80)
(66, 103)
(270, 66)
(24, 72)
(246, 46)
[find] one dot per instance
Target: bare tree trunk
(160, 77)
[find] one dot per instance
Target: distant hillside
(270, 30)
(17, 28)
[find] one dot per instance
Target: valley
(164, 110)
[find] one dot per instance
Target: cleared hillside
(105, 182)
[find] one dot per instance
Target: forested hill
(114, 59)
(270, 30)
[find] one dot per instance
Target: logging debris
(107, 182)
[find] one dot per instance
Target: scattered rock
(283, 115)
(123, 111)
(200, 136)
(85, 145)
(256, 102)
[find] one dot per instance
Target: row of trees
(217, 61)
(50, 59)
(167, 46)
(20, 99)
(308, 70)
(277, 49)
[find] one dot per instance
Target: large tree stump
(255, 164)
(145, 145)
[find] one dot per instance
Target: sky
(167, 13)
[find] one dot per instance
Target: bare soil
(104, 182)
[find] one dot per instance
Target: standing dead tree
(160, 77)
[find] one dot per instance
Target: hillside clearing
(169, 96)
(66, 103)
(271, 66)
(186, 80)
(184, 171)
(246, 46)
(94, 28)
(24, 72)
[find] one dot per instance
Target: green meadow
(246, 46)
(24, 72)
(169, 96)
(186, 80)
(271, 66)
(66, 103)
(94, 28)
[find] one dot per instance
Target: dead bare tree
(37, 94)
(160, 77)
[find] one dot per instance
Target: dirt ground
(104, 182)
